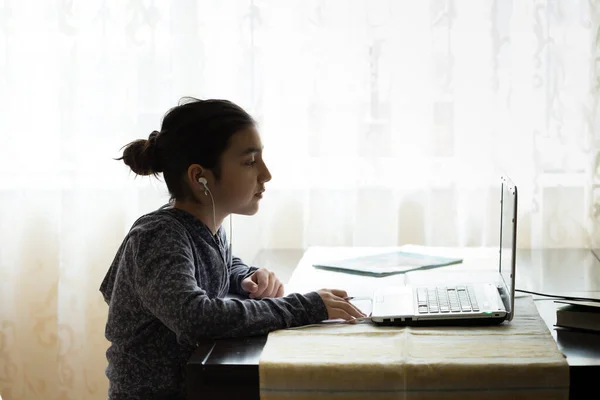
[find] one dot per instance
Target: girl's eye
(250, 163)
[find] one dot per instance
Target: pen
(356, 298)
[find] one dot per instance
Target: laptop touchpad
(397, 304)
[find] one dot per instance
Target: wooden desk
(228, 369)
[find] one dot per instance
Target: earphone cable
(226, 268)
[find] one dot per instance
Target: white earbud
(202, 180)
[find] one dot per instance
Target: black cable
(570, 298)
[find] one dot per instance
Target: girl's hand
(262, 284)
(338, 306)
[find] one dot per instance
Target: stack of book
(583, 315)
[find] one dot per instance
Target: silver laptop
(466, 303)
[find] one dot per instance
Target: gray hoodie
(165, 292)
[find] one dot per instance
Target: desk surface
(574, 272)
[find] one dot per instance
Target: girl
(166, 286)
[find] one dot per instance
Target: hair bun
(142, 155)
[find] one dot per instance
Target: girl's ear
(196, 180)
(194, 172)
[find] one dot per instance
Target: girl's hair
(194, 132)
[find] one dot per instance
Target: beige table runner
(516, 360)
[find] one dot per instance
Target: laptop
(467, 303)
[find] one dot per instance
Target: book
(578, 315)
(384, 264)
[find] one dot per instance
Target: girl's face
(243, 175)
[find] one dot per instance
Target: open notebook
(389, 263)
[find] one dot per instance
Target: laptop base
(441, 322)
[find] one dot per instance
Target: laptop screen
(508, 228)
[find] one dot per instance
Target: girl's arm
(238, 272)
(166, 284)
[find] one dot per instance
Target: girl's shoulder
(159, 221)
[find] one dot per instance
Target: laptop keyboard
(446, 300)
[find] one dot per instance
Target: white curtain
(384, 123)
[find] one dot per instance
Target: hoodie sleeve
(166, 283)
(238, 272)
